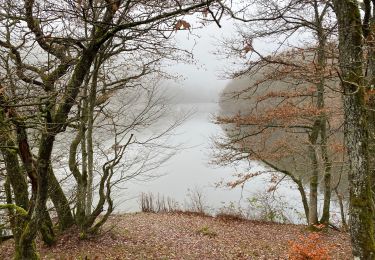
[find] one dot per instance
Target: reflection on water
(190, 169)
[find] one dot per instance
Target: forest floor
(188, 236)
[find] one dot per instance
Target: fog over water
(189, 169)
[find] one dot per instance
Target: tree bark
(16, 179)
(327, 175)
(369, 34)
(90, 125)
(46, 227)
(60, 202)
(314, 178)
(356, 130)
(322, 62)
(314, 181)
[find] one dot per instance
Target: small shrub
(230, 213)
(157, 204)
(309, 247)
(196, 201)
(266, 207)
(206, 231)
(161, 204)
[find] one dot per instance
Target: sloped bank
(186, 236)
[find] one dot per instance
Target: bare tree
(49, 49)
(287, 123)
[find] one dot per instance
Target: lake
(189, 169)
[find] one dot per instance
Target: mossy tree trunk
(20, 192)
(15, 176)
(46, 227)
(80, 180)
(60, 202)
(369, 36)
(356, 129)
(20, 218)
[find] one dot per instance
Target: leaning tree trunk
(60, 202)
(299, 184)
(356, 130)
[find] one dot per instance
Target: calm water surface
(190, 169)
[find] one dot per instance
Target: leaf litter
(184, 236)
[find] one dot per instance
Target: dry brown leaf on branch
(182, 25)
(248, 46)
(205, 12)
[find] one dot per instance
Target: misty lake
(190, 169)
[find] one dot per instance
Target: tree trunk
(16, 179)
(313, 197)
(356, 130)
(327, 175)
(90, 125)
(81, 182)
(15, 176)
(314, 178)
(369, 35)
(299, 184)
(60, 202)
(303, 198)
(27, 243)
(26, 251)
(46, 229)
(83, 130)
(322, 63)
(342, 212)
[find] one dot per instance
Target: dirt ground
(185, 236)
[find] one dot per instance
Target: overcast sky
(205, 80)
(201, 81)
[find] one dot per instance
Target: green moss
(362, 203)
(20, 211)
(27, 252)
(82, 235)
(48, 235)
